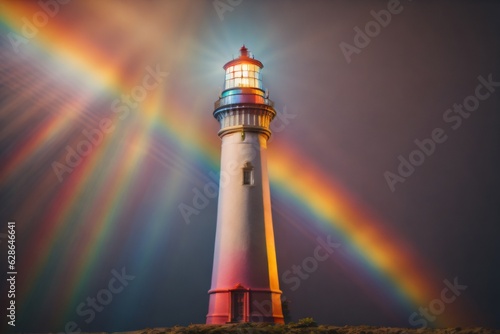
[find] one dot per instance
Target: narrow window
(248, 174)
(247, 177)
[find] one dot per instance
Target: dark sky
(346, 122)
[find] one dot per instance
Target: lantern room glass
(243, 75)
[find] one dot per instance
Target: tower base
(240, 304)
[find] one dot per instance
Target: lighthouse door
(237, 306)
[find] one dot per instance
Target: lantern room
(243, 71)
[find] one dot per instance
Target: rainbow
(65, 233)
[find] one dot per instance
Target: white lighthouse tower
(245, 284)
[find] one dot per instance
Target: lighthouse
(245, 286)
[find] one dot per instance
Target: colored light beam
(377, 250)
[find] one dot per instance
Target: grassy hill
(253, 328)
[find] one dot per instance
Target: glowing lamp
(243, 71)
